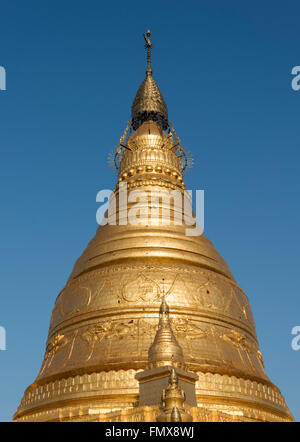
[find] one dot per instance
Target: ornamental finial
(148, 103)
(148, 46)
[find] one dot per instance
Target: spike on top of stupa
(149, 103)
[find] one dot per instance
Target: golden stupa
(105, 320)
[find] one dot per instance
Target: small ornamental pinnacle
(165, 349)
(172, 402)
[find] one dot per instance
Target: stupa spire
(149, 103)
(148, 46)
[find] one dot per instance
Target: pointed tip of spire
(173, 378)
(148, 46)
(164, 308)
(148, 103)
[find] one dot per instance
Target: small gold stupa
(104, 326)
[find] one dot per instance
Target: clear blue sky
(72, 71)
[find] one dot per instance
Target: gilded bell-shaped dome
(105, 319)
(165, 349)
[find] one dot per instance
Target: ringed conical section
(149, 104)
